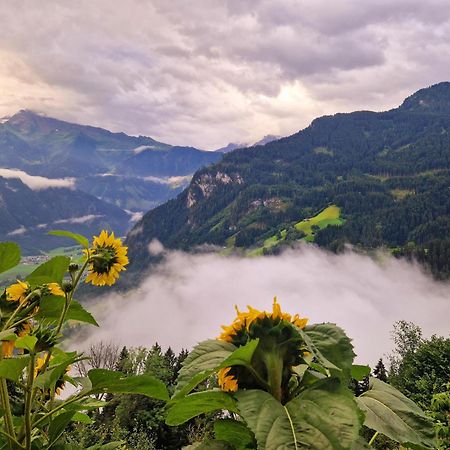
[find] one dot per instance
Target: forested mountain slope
(387, 172)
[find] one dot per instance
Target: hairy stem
(29, 402)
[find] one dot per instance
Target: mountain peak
(435, 99)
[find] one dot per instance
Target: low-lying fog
(189, 296)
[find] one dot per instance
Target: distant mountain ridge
(388, 172)
(107, 174)
(233, 146)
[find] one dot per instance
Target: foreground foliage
(33, 367)
(269, 381)
(284, 384)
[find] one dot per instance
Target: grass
(26, 266)
(400, 194)
(324, 151)
(328, 216)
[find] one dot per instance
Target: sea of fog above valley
(195, 294)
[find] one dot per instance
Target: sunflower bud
(47, 338)
(67, 287)
(73, 267)
(36, 295)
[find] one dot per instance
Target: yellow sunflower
(244, 320)
(40, 361)
(227, 382)
(8, 346)
(55, 289)
(17, 292)
(108, 257)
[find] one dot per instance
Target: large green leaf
(322, 417)
(359, 372)
(330, 345)
(396, 416)
(242, 356)
(203, 359)
(12, 368)
(8, 335)
(9, 255)
(112, 382)
(58, 367)
(52, 306)
(26, 342)
(209, 356)
(57, 426)
(199, 403)
(76, 237)
(234, 432)
(52, 271)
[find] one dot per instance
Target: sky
(196, 294)
(210, 72)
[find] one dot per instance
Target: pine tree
(380, 371)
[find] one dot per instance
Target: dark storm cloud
(206, 73)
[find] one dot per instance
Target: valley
(388, 173)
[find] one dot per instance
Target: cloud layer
(208, 73)
(37, 183)
(189, 297)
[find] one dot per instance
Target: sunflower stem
(29, 402)
(7, 414)
(62, 318)
(16, 311)
(274, 366)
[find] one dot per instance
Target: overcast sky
(209, 72)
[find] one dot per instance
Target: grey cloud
(198, 73)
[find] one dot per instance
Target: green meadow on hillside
(29, 263)
(331, 215)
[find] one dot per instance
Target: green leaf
(234, 432)
(8, 335)
(330, 345)
(86, 405)
(48, 379)
(58, 425)
(389, 412)
(52, 306)
(199, 403)
(359, 372)
(76, 237)
(9, 255)
(12, 368)
(52, 271)
(242, 356)
(323, 416)
(26, 342)
(208, 357)
(112, 382)
(203, 359)
(81, 417)
(192, 383)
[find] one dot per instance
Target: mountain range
(384, 175)
(56, 174)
